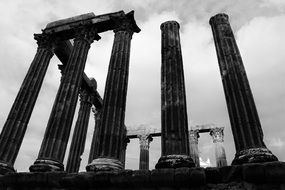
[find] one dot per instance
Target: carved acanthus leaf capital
(217, 134)
(44, 41)
(145, 139)
(193, 136)
(86, 33)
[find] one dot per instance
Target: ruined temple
(254, 165)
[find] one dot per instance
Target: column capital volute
(44, 41)
(194, 135)
(86, 33)
(217, 134)
(145, 139)
(127, 23)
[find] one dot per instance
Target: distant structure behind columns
(174, 123)
(246, 127)
(218, 139)
(193, 142)
(144, 140)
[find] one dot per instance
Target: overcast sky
(259, 27)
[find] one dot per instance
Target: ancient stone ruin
(254, 166)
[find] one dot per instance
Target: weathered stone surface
(56, 136)
(231, 173)
(245, 123)
(14, 129)
(111, 132)
(171, 179)
(174, 123)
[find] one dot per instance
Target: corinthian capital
(44, 41)
(193, 136)
(86, 33)
(217, 134)
(145, 139)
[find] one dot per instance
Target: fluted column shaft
(218, 139)
(125, 142)
(145, 140)
(193, 142)
(56, 136)
(95, 138)
(174, 124)
(16, 124)
(246, 127)
(108, 147)
(111, 125)
(79, 135)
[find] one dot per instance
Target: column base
(175, 161)
(42, 165)
(105, 164)
(253, 155)
(6, 168)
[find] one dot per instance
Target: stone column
(218, 139)
(246, 127)
(79, 134)
(144, 139)
(97, 116)
(111, 126)
(16, 124)
(56, 136)
(193, 142)
(125, 142)
(174, 124)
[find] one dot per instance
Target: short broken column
(108, 145)
(246, 127)
(144, 139)
(217, 134)
(79, 135)
(174, 123)
(56, 136)
(16, 124)
(193, 142)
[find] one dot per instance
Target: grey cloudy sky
(259, 27)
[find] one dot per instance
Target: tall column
(218, 139)
(111, 126)
(144, 139)
(79, 134)
(174, 124)
(246, 127)
(56, 136)
(193, 142)
(16, 124)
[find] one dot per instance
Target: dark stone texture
(251, 178)
(213, 175)
(56, 136)
(108, 143)
(174, 124)
(245, 123)
(17, 121)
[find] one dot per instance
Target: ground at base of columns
(254, 155)
(175, 161)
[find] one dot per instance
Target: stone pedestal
(16, 124)
(246, 127)
(144, 139)
(193, 142)
(108, 147)
(56, 136)
(79, 134)
(174, 124)
(218, 139)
